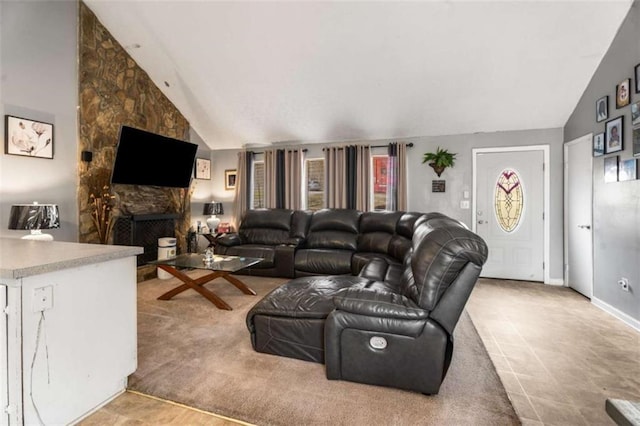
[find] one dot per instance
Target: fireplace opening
(144, 231)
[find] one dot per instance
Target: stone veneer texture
(115, 91)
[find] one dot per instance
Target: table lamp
(35, 217)
(213, 209)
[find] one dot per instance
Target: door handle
(482, 222)
(584, 226)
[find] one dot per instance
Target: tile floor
(559, 358)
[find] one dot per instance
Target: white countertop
(22, 258)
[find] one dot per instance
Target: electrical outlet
(42, 299)
(624, 284)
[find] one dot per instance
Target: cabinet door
(4, 395)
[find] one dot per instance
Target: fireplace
(144, 231)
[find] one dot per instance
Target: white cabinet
(70, 338)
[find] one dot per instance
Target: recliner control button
(378, 342)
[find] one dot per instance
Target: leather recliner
(392, 325)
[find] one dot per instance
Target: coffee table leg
(239, 284)
(194, 284)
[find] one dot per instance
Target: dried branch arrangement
(102, 207)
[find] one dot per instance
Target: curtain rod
(409, 145)
(262, 152)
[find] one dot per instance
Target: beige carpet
(195, 354)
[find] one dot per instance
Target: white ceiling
(249, 73)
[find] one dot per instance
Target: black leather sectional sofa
(295, 243)
(376, 295)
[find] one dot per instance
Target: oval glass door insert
(509, 200)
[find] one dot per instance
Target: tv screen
(144, 158)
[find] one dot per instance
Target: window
(379, 167)
(257, 187)
(314, 192)
(509, 200)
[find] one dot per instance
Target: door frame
(546, 196)
(565, 165)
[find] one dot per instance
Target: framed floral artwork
(203, 168)
(28, 137)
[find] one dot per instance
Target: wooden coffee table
(220, 267)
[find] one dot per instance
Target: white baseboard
(627, 319)
(555, 281)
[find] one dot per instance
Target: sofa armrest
(285, 256)
(229, 240)
(378, 304)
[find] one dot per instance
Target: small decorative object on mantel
(439, 160)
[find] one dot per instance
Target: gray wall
(459, 178)
(616, 206)
(38, 45)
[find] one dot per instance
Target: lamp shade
(34, 216)
(213, 208)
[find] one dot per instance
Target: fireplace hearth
(144, 231)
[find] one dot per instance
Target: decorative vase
(437, 169)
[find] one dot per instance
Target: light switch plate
(464, 204)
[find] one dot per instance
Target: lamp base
(37, 235)
(212, 223)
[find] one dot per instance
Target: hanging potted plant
(439, 160)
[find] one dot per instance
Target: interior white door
(510, 213)
(4, 366)
(578, 214)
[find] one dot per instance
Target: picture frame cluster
(611, 139)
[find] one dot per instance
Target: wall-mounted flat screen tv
(144, 158)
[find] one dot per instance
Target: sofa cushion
(323, 261)
(334, 229)
(266, 226)
(289, 322)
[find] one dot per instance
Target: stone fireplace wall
(114, 90)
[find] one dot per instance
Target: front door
(578, 214)
(509, 212)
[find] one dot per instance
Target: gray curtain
(242, 192)
(347, 176)
(291, 179)
(397, 177)
(363, 166)
(270, 172)
(335, 180)
(402, 177)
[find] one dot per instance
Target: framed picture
(628, 170)
(611, 169)
(27, 137)
(614, 135)
(230, 179)
(203, 168)
(636, 142)
(598, 145)
(602, 109)
(636, 72)
(623, 96)
(635, 113)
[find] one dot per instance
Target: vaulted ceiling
(251, 73)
